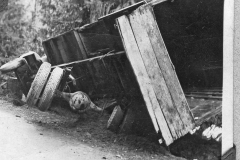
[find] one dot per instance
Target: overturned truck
(124, 55)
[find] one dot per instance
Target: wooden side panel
(156, 77)
(72, 46)
(62, 49)
(80, 44)
(164, 61)
(56, 55)
(143, 79)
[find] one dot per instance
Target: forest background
(24, 24)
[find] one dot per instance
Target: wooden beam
(142, 77)
(89, 59)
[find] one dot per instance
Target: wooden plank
(49, 56)
(62, 50)
(90, 59)
(166, 65)
(80, 45)
(57, 57)
(139, 69)
(71, 37)
(72, 46)
(157, 81)
(65, 53)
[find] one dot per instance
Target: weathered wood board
(140, 71)
(153, 69)
(167, 67)
(156, 76)
(64, 48)
(57, 56)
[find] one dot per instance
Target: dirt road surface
(27, 133)
(23, 141)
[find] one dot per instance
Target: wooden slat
(57, 57)
(49, 56)
(155, 74)
(167, 67)
(65, 54)
(80, 45)
(90, 59)
(72, 38)
(143, 79)
(62, 50)
(81, 54)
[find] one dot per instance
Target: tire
(50, 89)
(38, 84)
(115, 119)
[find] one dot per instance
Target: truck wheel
(115, 119)
(38, 84)
(50, 89)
